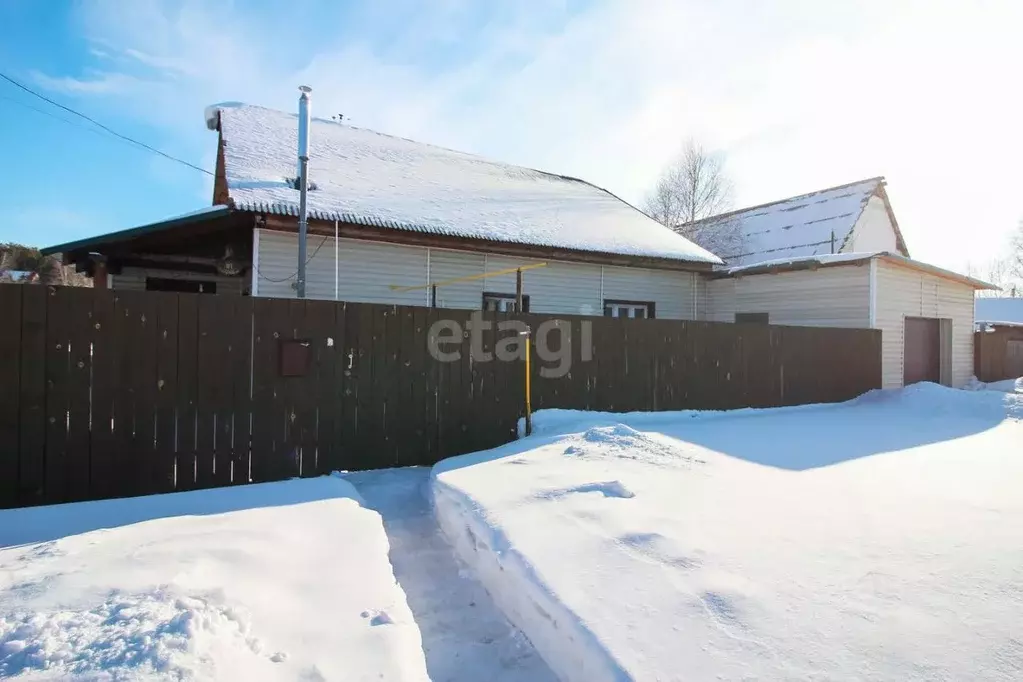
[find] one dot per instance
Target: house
(386, 213)
(853, 218)
(389, 217)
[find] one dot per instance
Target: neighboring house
(852, 218)
(388, 217)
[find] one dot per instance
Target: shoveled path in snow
(465, 636)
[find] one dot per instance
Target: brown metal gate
(922, 352)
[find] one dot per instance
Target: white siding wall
(134, 279)
(365, 270)
(719, 297)
(903, 292)
(827, 297)
(873, 231)
(368, 268)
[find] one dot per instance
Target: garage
(922, 353)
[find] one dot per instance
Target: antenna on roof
(303, 184)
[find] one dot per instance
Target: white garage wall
(367, 269)
(827, 297)
(905, 292)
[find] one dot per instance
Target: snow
(799, 226)
(875, 539)
(999, 310)
(848, 258)
(373, 179)
(823, 259)
(279, 581)
(1004, 386)
(466, 638)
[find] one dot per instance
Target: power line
(100, 125)
(52, 115)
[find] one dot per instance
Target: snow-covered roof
(799, 226)
(793, 263)
(369, 178)
(1007, 311)
(830, 259)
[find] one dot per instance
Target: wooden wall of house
(134, 279)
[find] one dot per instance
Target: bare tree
(1016, 253)
(693, 187)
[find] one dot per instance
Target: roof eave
(898, 259)
(150, 228)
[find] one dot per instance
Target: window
(191, 286)
(503, 303)
(634, 309)
(754, 318)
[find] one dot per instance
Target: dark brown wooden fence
(110, 394)
(998, 354)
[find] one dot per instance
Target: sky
(797, 95)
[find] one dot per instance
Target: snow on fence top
(369, 178)
(800, 226)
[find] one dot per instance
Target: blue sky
(798, 94)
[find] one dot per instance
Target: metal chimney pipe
(303, 184)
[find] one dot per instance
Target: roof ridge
(877, 179)
(477, 157)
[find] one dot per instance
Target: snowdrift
(875, 539)
(279, 581)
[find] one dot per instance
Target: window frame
(612, 304)
(181, 285)
(502, 296)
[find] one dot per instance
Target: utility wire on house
(292, 275)
(93, 121)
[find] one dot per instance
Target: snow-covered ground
(876, 539)
(281, 581)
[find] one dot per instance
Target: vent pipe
(303, 184)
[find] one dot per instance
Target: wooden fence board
(79, 397)
(105, 361)
(264, 347)
(187, 391)
(165, 469)
(352, 369)
(241, 404)
(322, 323)
(57, 387)
(32, 398)
(10, 389)
(144, 378)
(338, 457)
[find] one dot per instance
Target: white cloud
(97, 84)
(802, 94)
